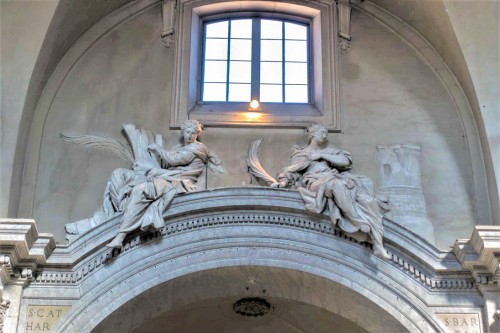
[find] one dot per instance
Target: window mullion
(283, 61)
(228, 57)
(255, 85)
(309, 66)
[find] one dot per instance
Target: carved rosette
(344, 44)
(252, 307)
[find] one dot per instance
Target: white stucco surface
(23, 25)
(388, 95)
(475, 37)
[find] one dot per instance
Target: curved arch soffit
(256, 226)
(421, 46)
(284, 289)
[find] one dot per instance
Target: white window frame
(324, 107)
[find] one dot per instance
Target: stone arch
(240, 228)
(225, 285)
(378, 295)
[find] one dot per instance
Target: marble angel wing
(100, 142)
(254, 167)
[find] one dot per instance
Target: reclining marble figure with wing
(145, 191)
(320, 173)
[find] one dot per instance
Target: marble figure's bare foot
(117, 242)
(380, 252)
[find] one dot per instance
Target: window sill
(268, 114)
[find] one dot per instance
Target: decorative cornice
(481, 254)
(22, 249)
(251, 206)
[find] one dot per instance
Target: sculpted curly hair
(192, 123)
(311, 130)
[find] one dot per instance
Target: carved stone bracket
(344, 9)
(481, 254)
(168, 15)
(344, 44)
(22, 249)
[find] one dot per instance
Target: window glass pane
(295, 50)
(214, 92)
(271, 50)
(218, 29)
(271, 72)
(240, 72)
(216, 49)
(277, 47)
(296, 94)
(271, 93)
(295, 31)
(239, 93)
(295, 73)
(241, 49)
(270, 29)
(241, 29)
(215, 71)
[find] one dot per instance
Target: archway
(294, 255)
(203, 302)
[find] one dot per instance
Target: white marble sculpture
(320, 173)
(145, 191)
(401, 182)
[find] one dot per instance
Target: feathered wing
(100, 142)
(254, 167)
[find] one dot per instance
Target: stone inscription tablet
(41, 318)
(460, 322)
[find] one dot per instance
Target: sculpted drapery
(320, 173)
(147, 193)
(142, 193)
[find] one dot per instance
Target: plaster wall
(388, 95)
(466, 35)
(23, 25)
(474, 37)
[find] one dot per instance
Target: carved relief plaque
(460, 322)
(41, 318)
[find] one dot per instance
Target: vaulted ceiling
(73, 18)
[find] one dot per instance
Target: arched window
(282, 54)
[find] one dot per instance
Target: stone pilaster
(22, 249)
(481, 256)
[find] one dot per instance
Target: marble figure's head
(190, 130)
(318, 132)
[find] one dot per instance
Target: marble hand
(315, 156)
(153, 148)
(280, 184)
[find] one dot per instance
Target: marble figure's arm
(337, 160)
(175, 157)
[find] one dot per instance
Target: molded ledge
(481, 254)
(400, 240)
